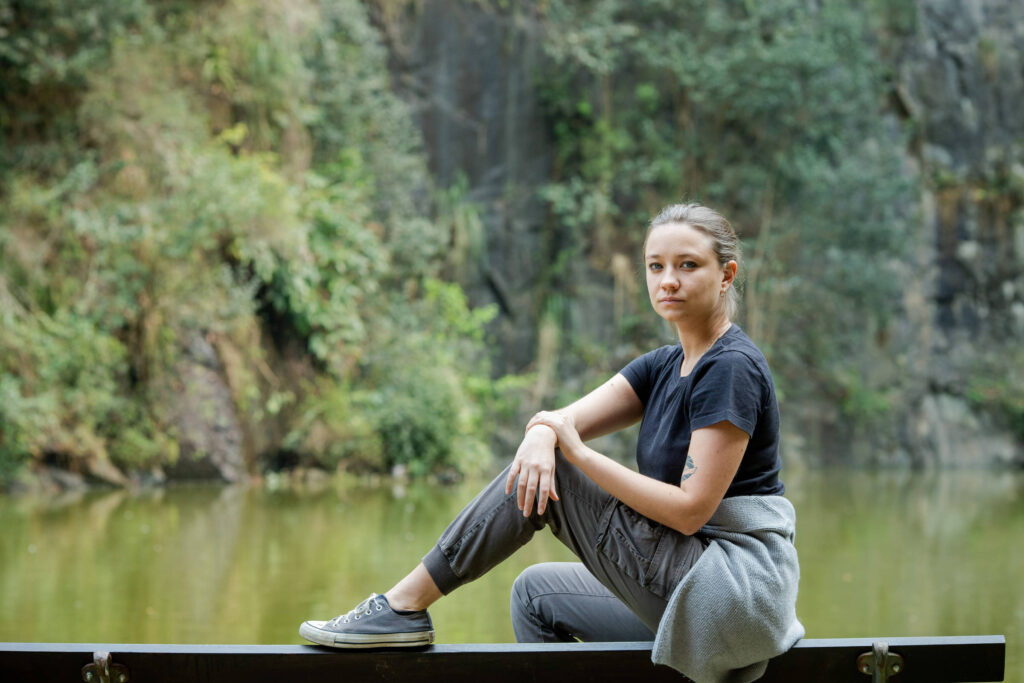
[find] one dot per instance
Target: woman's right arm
(610, 407)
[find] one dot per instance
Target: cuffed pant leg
(560, 602)
(491, 527)
(487, 531)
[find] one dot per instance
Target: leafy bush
(422, 398)
(211, 168)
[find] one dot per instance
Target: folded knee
(531, 585)
(524, 587)
(526, 622)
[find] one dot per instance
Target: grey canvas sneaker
(371, 624)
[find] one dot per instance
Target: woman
(694, 549)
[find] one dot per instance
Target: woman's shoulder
(667, 356)
(651, 369)
(654, 362)
(666, 351)
(659, 356)
(735, 340)
(735, 348)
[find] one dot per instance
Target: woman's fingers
(513, 472)
(563, 426)
(536, 486)
(546, 418)
(524, 477)
(544, 491)
(534, 468)
(556, 422)
(527, 490)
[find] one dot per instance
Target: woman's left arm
(714, 456)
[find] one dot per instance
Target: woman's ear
(729, 275)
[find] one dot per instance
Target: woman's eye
(689, 264)
(654, 266)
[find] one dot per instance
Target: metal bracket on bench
(103, 670)
(880, 663)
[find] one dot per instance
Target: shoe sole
(364, 640)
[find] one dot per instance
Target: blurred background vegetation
(229, 235)
(238, 173)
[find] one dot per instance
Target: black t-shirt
(732, 383)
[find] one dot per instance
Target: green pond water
(882, 554)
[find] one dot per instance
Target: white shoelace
(363, 609)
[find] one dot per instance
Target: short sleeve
(730, 388)
(640, 373)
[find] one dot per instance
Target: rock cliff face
(211, 437)
(468, 74)
(958, 81)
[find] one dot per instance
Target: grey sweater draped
(736, 607)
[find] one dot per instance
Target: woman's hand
(534, 464)
(565, 429)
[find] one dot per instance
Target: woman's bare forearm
(674, 506)
(611, 407)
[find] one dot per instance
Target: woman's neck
(696, 341)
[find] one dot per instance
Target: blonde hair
(724, 241)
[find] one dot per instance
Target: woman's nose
(669, 280)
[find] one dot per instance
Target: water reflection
(882, 554)
(911, 554)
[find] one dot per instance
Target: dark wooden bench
(857, 660)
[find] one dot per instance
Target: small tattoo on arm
(688, 469)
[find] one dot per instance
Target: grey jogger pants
(636, 559)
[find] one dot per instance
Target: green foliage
(432, 384)
(334, 426)
(422, 398)
(768, 112)
(467, 246)
(205, 168)
(996, 385)
(860, 403)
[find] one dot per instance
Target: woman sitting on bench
(694, 550)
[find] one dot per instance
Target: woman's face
(684, 278)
